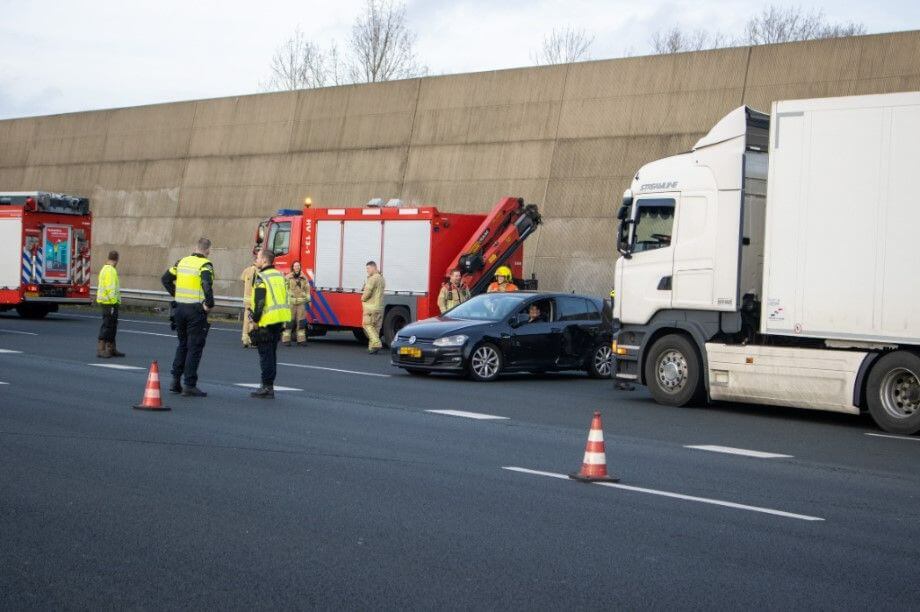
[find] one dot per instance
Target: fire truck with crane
(45, 243)
(415, 248)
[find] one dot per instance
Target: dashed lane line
(729, 450)
(164, 323)
(257, 385)
(16, 331)
(468, 415)
(3, 383)
(908, 438)
(680, 496)
(143, 333)
(114, 366)
(9, 352)
(312, 367)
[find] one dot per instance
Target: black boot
(193, 392)
(264, 392)
(175, 386)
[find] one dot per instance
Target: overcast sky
(58, 56)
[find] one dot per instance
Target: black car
(510, 332)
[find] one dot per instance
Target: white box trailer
(776, 262)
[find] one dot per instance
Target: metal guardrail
(146, 295)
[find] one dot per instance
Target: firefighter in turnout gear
(298, 287)
(248, 275)
(108, 296)
(503, 280)
(270, 312)
(453, 292)
(372, 307)
(191, 283)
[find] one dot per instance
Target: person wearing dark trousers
(108, 296)
(270, 312)
(191, 283)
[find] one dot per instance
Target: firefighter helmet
(504, 271)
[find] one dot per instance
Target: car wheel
(485, 363)
(601, 364)
(417, 372)
(672, 371)
(893, 393)
(394, 320)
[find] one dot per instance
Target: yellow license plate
(410, 351)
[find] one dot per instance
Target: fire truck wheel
(394, 320)
(33, 311)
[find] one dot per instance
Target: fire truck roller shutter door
(406, 255)
(328, 249)
(11, 264)
(362, 242)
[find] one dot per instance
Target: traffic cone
(594, 465)
(152, 399)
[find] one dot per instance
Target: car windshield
(488, 307)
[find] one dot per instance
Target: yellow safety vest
(107, 288)
(188, 279)
(276, 309)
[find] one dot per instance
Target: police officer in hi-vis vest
(191, 283)
(270, 312)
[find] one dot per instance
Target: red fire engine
(44, 252)
(415, 247)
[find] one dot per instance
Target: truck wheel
(601, 361)
(672, 371)
(33, 311)
(360, 336)
(485, 363)
(893, 393)
(394, 320)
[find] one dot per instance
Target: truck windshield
(654, 224)
(279, 238)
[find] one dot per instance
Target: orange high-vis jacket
(501, 287)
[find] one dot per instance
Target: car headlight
(451, 340)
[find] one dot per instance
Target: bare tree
(564, 47)
(775, 24)
(297, 63)
(677, 40)
(381, 45)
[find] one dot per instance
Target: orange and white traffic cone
(594, 465)
(152, 399)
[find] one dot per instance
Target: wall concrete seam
(408, 148)
(747, 70)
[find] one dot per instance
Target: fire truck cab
(44, 252)
(414, 247)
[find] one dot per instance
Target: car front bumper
(434, 358)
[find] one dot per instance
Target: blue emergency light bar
(288, 212)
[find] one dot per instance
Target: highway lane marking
(3, 383)
(681, 496)
(114, 366)
(134, 331)
(14, 331)
(258, 386)
(79, 316)
(737, 451)
(9, 352)
(468, 415)
(312, 367)
(908, 438)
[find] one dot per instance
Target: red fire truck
(415, 247)
(44, 252)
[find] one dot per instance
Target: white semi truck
(778, 262)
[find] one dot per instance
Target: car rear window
(576, 309)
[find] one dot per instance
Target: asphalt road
(347, 492)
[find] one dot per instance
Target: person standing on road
(453, 292)
(191, 283)
(248, 275)
(108, 296)
(270, 312)
(503, 280)
(299, 293)
(372, 307)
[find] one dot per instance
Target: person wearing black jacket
(270, 312)
(191, 282)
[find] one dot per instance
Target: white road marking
(738, 451)
(16, 331)
(114, 366)
(257, 386)
(702, 500)
(468, 415)
(9, 352)
(311, 367)
(134, 331)
(909, 438)
(120, 320)
(3, 383)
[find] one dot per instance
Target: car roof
(548, 294)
